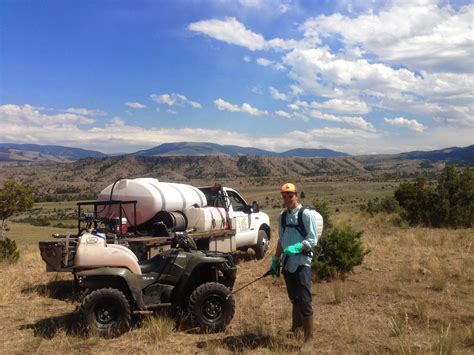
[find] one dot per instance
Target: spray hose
(269, 272)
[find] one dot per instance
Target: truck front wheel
(262, 244)
(106, 312)
(211, 307)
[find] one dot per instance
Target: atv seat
(155, 264)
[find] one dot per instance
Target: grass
(439, 280)
(413, 294)
(406, 273)
(397, 323)
(156, 329)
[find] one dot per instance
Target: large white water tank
(152, 196)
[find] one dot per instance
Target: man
(297, 256)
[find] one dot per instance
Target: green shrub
(342, 250)
(450, 203)
(386, 205)
(8, 251)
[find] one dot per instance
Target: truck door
(238, 209)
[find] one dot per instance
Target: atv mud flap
(229, 276)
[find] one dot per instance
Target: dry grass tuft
(397, 322)
(465, 335)
(439, 280)
(406, 272)
(445, 342)
(156, 328)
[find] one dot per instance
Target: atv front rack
(94, 219)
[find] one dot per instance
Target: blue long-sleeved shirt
(291, 236)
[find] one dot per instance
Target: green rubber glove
(275, 266)
(293, 249)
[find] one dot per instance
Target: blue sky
(355, 76)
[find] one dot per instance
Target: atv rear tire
(211, 307)
(106, 312)
(262, 244)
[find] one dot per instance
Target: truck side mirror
(255, 207)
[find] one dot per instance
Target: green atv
(199, 282)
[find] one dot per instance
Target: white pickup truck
(252, 227)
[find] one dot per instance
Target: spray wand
(269, 272)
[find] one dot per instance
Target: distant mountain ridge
(463, 155)
(37, 152)
(204, 148)
(308, 152)
(54, 153)
(199, 149)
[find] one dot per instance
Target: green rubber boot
(308, 346)
(297, 320)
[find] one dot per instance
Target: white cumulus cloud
(226, 106)
(351, 120)
(277, 95)
(12, 114)
(231, 31)
(354, 107)
(421, 34)
(135, 105)
(245, 107)
(234, 32)
(86, 111)
(174, 99)
(414, 125)
(264, 62)
(292, 115)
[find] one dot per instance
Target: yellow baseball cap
(288, 187)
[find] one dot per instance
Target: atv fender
(119, 278)
(197, 273)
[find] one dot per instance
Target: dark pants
(298, 286)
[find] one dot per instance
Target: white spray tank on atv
(93, 252)
(152, 197)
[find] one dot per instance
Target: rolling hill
(463, 156)
(42, 153)
(199, 149)
(52, 153)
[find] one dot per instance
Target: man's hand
(293, 249)
(275, 266)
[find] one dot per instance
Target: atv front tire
(106, 312)
(211, 307)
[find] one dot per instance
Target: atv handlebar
(181, 239)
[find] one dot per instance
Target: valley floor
(413, 294)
